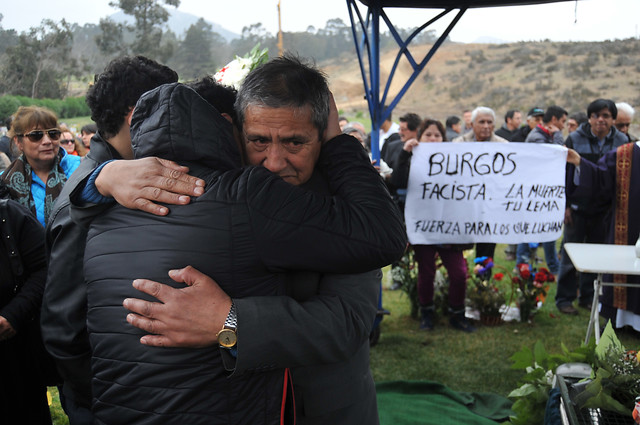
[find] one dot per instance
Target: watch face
(227, 338)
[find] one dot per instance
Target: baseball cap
(535, 112)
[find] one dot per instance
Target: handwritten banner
(485, 192)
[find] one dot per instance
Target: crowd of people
(204, 255)
(591, 135)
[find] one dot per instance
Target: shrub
(68, 108)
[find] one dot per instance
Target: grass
(463, 362)
(470, 362)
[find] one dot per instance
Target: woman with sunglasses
(36, 177)
(70, 143)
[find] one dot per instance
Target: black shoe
(568, 309)
(459, 322)
(462, 324)
(586, 306)
(426, 318)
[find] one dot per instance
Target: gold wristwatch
(227, 337)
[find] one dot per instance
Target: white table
(602, 259)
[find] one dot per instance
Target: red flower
(525, 273)
(516, 280)
(498, 276)
(540, 277)
(551, 278)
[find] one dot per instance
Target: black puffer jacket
(246, 229)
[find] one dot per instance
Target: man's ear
(227, 117)
(130, 115)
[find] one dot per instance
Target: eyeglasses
(623, 124)
(604, 116)
(66, 141)
(37, 135)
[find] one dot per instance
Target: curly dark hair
(119, 87)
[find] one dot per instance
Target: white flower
(234, 73)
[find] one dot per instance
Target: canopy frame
(368, 49)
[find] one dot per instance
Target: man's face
(534, 121)
(283, 140)
(601, 122)
(466, 117)
(483, 127)
(572, 125)
(405, 133)
(559, 122)
(623, 121)
(513, 123)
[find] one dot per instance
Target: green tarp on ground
(430, 403)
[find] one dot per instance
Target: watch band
(232, 318)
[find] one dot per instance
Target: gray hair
(482, 110)
(286, 82)
(348, 129)
(626, 108)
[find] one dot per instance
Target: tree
(252, 35)
(110, 41)
(8, 38)
(38, 64)
(194, 57)
(149, 17)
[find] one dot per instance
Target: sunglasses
(66, 141)
(37, 135)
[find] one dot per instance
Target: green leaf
(523, 391)
(540, 353)
(608, 341)
(522, 359)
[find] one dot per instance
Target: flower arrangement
(234, 73)
(615, 380)
(532, 287)
(483, 292)
(613, 386)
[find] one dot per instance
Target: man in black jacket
(585, 216)
(111, 100)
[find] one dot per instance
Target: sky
(585, 20)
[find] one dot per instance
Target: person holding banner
(586, 213)
(614, 180)
(432, 131)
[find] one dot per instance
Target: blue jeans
(583, 229)
(525, 252)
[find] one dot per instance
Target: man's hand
(186, 317)
(573, 157)
(138, 184)
(410, 144)
(333, 126)
(567, 217)
(6, 330)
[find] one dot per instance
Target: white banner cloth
(485, 192)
